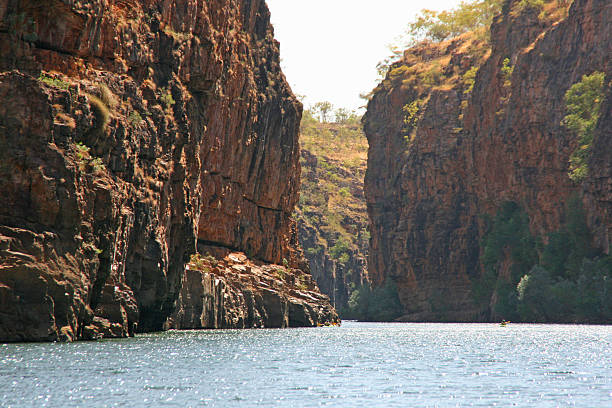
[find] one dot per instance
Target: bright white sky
(330, 48)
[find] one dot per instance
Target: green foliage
(198, 262)
(211, 259)
(85, 160)
(381, 304)
(54, 82)
(344, 192)
(583, 103)
(340, 248)
(342, 115)
(568, 282)
(469, 79)
(432, 77)
(509, 234)
(314, 251)
(323, 109)
(411, 113)
(468, 16)
(167, 99)
(529, 4)
(134, 118)
(331, 205)
(285, 263)
(567, 247)
(544, 298)
(507, 71)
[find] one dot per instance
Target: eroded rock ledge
(237, 293)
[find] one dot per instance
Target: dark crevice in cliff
(264, 207)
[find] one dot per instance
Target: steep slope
(129, 131)
(450, 155)
(331, 213)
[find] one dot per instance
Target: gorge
(152, 178)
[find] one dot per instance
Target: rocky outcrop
(487, 130)
(237, 293)
(129, 130)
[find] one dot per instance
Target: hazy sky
(330, 48)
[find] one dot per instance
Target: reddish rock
(428, 186)
(237, 293)
(128, 131)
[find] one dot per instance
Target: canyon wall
(459, 128)
(131, 133)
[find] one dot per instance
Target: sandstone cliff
(130, 133)
(461, 127)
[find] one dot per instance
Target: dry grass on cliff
(332, 201)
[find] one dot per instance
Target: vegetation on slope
(565, 279)
(473, 17)
(583, 101)
(332, 201)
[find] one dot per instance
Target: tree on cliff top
(442, 25)
(438, 26)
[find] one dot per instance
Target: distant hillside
(331, 213)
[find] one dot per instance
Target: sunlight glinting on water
(358, 364)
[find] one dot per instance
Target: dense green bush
(507, 234)
(380, 304)
(568, 280)
(583, 103)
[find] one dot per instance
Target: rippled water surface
(356, 365)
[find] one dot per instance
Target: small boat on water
(504, 323)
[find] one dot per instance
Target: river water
(356, 365)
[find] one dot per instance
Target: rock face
(237, 293)
(130, 131)
(476, 142)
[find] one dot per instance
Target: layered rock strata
(237, 293)
(460, 127)
(129, 130)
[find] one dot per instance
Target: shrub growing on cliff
(167, 99)
(583, 103)
(134, 118)
(380, 304)
(85, 160)
(101, 112)
(469, 79)
(54, 82)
